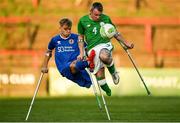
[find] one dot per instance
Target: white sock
(102, 82)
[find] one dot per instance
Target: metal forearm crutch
(35, 93)
(104, 101)
(94, 89)
(130, 57)
(95, 92)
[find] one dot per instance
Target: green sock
(111, 69)
(106, 88)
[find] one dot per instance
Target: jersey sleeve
(51, 44)
(80, 28)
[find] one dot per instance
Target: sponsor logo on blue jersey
(65, 49)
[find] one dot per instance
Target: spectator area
(154, 33)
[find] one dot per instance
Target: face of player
(65, 31)
(95, 14)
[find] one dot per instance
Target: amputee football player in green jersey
(89, 32)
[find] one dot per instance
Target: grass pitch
(85, 109)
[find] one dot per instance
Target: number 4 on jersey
(95, 30)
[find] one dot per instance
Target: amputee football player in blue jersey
(66, 52)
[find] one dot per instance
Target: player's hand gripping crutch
(35, 93)
(130, 57)
(94, 89)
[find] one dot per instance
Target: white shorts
(97, 62)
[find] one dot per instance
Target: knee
(105, 56)
(81, 65)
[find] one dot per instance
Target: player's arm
(122, 41)
(81, 47)
(47, 57)
(81, 30)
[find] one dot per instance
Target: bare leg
(106, 58)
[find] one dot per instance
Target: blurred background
(26, 27)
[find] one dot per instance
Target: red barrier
(14, 20)
(173, 53)
(147, 23)
(34, 53)
(21, 52)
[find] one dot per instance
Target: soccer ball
(107, 31)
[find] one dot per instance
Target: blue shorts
(81, 78)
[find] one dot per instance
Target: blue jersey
(66, 50)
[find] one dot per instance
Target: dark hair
(98, 6)
(65, 21)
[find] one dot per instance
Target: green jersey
(91, 30)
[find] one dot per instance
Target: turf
(84, 109)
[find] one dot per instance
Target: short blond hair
(65, 21)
